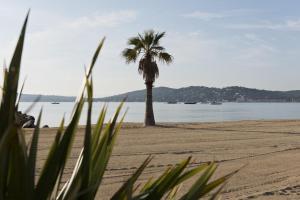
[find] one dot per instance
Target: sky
(215, 43)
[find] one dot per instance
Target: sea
(53, 113)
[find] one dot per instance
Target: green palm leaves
(147, 46)
(18, 178)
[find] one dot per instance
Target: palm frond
(165, 57)
(135, 42)
(148, 38)
(130, 55)
(157, 48)
(153, 54)
(157, 38)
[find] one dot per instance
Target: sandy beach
(269, 149)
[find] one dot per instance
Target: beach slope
(269, 149)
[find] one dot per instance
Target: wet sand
(270, 149)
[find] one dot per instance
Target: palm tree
(147, 47)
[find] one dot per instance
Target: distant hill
(187, 94)
(46, 98)
(201, 94)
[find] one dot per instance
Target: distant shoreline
(129, 125)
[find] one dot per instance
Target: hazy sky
(215, 43)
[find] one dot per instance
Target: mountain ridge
(204, 94)
(46, 98)
(187, 94)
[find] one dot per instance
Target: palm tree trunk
(149, 115)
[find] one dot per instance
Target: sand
(270, 150)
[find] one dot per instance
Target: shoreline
(161, 124)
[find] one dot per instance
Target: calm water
(53, 113)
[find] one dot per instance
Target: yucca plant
(18, 159)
